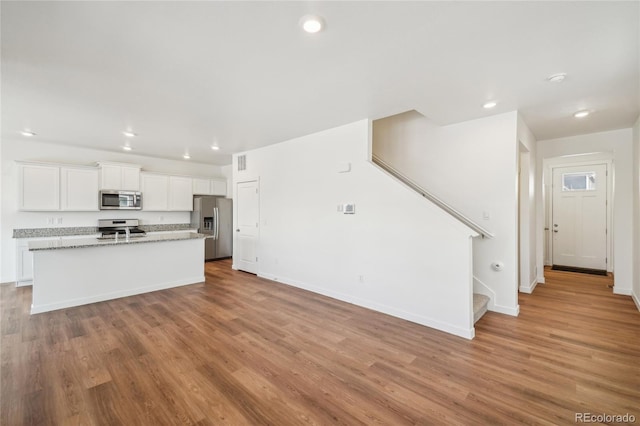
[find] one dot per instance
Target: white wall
(636, 213)
(529, 269)
(617, 144)
(471, 166)
(415, 259)
(32, 150)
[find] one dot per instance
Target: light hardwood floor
(241, 350)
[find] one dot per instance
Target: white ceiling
(184, 75)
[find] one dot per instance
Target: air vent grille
(242, 162)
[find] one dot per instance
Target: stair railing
(426, 194)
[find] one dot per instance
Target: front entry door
(579, 216)
(247, 226)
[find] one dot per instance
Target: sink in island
(75, 272)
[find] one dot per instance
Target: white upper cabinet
(61, 187)
(155, 192)
(117, 176)
(166, 193)
(218, 187)
(131, 178)
(79, 189)
(180, 193)
(38, 187)
(50, 187)
(202, 186)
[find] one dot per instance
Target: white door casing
(579, 216)
(247, 210)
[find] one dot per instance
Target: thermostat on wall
(349, 209)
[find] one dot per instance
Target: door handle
(555, 230)
(237, 230)
(216, 230)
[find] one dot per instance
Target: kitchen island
(76, 272)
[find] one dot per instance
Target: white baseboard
(482, 288)
(636, 300)
(623, 291)
(507, 310)
(529, 289)
(467, 333)
(540, 280)
(113, 295)
(24, 283)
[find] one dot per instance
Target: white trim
(409, 316)
(481, 288)
(114, 295)
(540, 280)
(623, 291)
(529, 289)
(591, 159)
(506, 310)
(636, 300)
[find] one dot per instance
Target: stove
(117, 228)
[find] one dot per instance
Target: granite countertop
(95, 242)
(90, 230)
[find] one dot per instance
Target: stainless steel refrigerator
(213, 216)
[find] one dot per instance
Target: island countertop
(96, 242)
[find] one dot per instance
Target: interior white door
(247, 227)
(579, 216)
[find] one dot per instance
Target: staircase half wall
(473, 167)
(398, 253)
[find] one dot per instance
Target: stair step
(480, 304)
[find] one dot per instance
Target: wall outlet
(59, 221)
(50, 221)
(361, 278)
(486, 215)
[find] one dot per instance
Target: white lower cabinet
(24, 263)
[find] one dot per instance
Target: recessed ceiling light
(489, 105)
(129, 134)
(557, 78)
(186, 156)
(27, 133)
(215, 147)
(312, 23)
(581, 114)
(127, 148)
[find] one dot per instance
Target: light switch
(349, 209)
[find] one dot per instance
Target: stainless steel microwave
(120, 200)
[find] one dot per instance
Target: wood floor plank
(242, 350)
